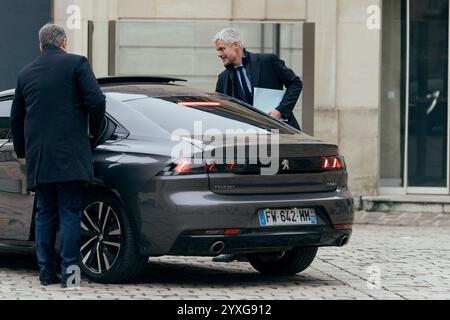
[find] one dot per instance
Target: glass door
(426, 170)
(414, 140)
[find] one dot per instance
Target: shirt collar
(51, 47)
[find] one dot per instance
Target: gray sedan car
(178, 172)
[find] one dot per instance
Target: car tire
(108, 252)
(283, 263)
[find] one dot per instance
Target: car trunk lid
(297, 167)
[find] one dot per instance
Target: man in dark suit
(246, 71)
(57, 105)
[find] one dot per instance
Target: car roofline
(111, 81)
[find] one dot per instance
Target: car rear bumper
(253, 241)
(166, 221)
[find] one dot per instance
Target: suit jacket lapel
(230, 82)
(255, 67)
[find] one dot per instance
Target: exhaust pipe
(343, 241)
(217, 247)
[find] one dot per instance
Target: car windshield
(208, 112)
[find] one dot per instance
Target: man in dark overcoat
(57, 107)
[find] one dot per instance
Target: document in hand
(267, 99)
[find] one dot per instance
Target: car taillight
(214, 232)
(332, 163)
(343, 226)
(186, 166)
(200, 104)
(183, 166)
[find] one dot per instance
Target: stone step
(405, 210)
(408, 203)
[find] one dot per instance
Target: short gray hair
(52, 34)
(229, 35)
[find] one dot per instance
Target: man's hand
(23, 161)
(275, 114)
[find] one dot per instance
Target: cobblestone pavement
(412, 263)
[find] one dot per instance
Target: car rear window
(210, 111)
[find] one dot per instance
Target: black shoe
(64, 281)
(47, 280)
(226, 258)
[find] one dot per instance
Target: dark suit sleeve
(217, 85)
(292, 83)
(220, 84)
(92, 97)
(17, 122)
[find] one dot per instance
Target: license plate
(278, 217)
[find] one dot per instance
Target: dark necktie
(247, 94)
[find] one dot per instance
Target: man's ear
(64, 45)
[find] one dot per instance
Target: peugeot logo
(285, 164)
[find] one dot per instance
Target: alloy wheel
(100, 237)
